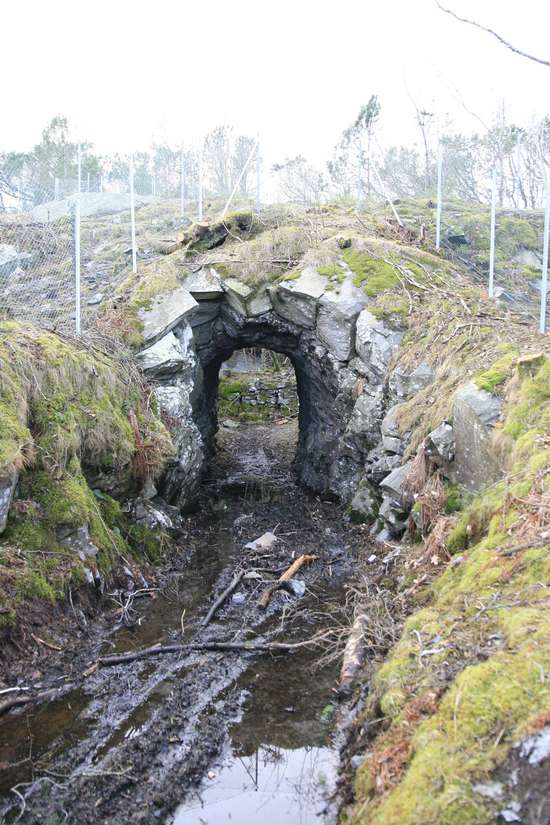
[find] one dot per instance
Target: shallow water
(268, 758)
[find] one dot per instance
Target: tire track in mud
(153, 728)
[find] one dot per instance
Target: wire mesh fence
(37, 270)
(65, 247)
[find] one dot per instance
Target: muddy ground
(204, 737)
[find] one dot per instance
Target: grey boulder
(376, 343)
(404, 384)
(475, 412)
(165, 313)
(297, 300)
(8, 483)
(336, 319)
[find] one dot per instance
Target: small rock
(536, 748)
(511, 813)
(95, 299)
(297, 586)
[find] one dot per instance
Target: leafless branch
(495, 34)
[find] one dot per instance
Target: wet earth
(205, 737)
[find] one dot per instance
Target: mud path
(206, 737)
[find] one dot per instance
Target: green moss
(454, 497)
(370, 273)
(491, 694)
(332, 271)
(79, 406)
(35, 586)
(497, 374)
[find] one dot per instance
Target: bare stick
(498, 36)
(264, 599)
(15, 701)
(222, 598)
(246, 647)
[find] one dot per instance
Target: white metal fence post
(545, 250)
(77, 265)
(79, 170)
(182, 185)
(78, 325)
(439, 196)
(201, 148)
(133, 215)
(258, 176)
(493, 233)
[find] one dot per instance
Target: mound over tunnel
(197, 327)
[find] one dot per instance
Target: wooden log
(222, 598)
(264, 599)
(354, 653)
(245, 647)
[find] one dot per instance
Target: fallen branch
(354, 654)
(246, 647)
(264, 599)
(16, 701)
(46, 644)
(222, 598)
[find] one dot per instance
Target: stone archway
(339, 351)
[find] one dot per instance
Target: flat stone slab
(475, 412)
(337, 316)
(259, 303)
(297, 300)
(205, 284)
(163, 358)
(237, 294)
(166, 312)
(406, 383)
(394, 484)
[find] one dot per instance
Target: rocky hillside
(424, 407)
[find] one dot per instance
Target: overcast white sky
(296, 71)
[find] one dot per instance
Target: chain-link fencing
(60, 265)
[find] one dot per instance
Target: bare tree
(299, 181)
(243, 147)
(217, 159)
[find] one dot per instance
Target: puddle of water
(39, 734)
(188, 594)
(280, 763)
(45, 731)
(272, 786)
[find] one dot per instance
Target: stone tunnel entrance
(338, 350)
(319, 426)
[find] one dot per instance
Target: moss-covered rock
(478, 647)
(71, 415)
(205, 235)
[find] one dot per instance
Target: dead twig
(222, 598)
(264, 599)
(245, 647)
